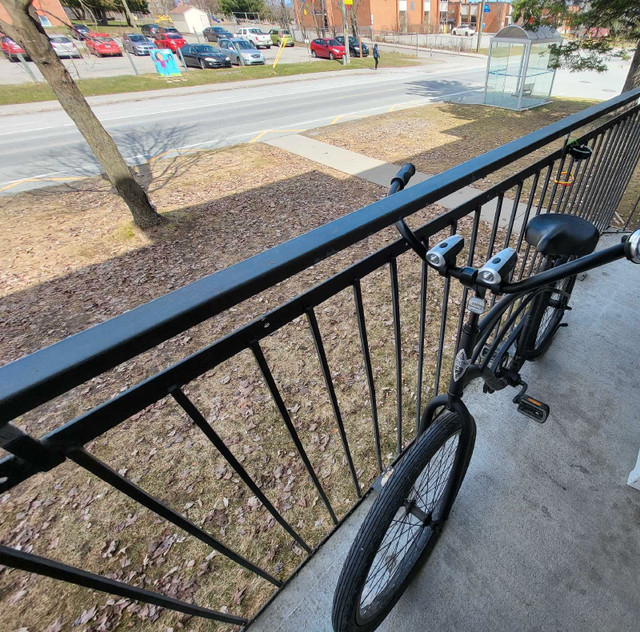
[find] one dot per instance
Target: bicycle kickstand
(530, 407)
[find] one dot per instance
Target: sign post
(345, 59)
(485, 9)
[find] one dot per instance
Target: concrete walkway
(545, 534)
(380, 172)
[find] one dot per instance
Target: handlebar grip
(404, 175)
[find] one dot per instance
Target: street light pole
(345, 59)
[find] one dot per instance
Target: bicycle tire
(545, 316)
(349, 615)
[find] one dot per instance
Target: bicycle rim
(407, 536)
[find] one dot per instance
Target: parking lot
(90, 66)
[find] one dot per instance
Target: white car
(255, 36)
(463, 29)
(63, 46)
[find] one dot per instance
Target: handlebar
(398, 182)
(401, 179)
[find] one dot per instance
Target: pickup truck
(255, 36)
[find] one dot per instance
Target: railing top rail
(45, 374)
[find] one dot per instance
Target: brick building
(50, 13)
(425, 16)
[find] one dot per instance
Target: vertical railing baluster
(609, 171)
(558, 176)
(514, 212)
(525, 219)
(443, 325)
(582, 191)
(286, 418)
(465, 291)
(601, 167)
(565, 188)
(624, 166)
(494, 228)
(633, 210)
(198, 419)
(397, 335)
(366, 354)
(111, 477)
(421, 337)
(57, 570)
(326, 373)
(577, 187)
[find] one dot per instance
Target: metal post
(417, 43)
(479, 18)
(135, 70)
(181, 58)
(345, 59)
(26, 67)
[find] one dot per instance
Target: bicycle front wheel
(403, 525)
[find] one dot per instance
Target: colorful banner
(165, 63)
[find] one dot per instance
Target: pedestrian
(376, 56)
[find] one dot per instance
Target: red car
(11, 49)
(329, 48)
(101, 44)
(172, 41)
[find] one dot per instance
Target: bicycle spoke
(405, 527)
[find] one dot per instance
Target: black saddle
(556, 234)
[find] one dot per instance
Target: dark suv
(216, 33)
(149, 30)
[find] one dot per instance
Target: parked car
(149, 30)
(205, 56)
(79, 31)
(11, 49)
(463, 29)
(137, 44)
(172, 41)
(250, 55)
(165, 30)
(216, 33)
(279, 35)
(354, 46)
(255, 36)
(101, 44)
(64, 47)
(325, 47)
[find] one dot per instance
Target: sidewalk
(380, 172)
(544, 534)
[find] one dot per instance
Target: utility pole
(345, 25)
(480, 19)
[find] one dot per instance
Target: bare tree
(27, 30)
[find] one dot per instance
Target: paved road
(46, 145)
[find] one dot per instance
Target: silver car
(234, 47)
(137, 44)
(63, 46)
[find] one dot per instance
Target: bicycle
(416, 493)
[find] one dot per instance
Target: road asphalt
(40, 144)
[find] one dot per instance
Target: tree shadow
(154, 153)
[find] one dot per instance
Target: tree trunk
(633, 78)
(31, 35)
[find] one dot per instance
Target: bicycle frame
(476, 331)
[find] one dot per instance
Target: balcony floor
(545, 534)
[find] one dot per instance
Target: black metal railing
(491, 220)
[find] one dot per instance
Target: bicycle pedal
(533, 408)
